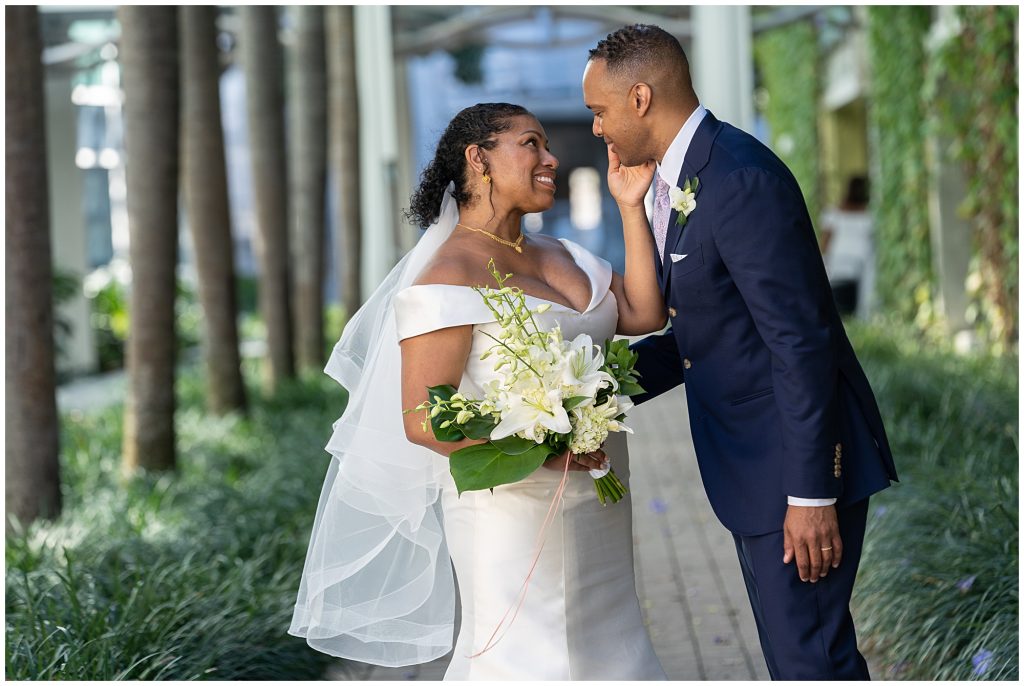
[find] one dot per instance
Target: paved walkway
(688, 578)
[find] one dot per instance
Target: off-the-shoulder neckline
(575, 251)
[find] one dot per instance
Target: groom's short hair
(641, 48)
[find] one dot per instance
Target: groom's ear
(640, 98)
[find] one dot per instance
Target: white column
(67, 219)
(378, 144)
(950, 233)
(406, 177)
(722, 62)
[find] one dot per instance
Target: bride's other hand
(577, 463)
(628, 185)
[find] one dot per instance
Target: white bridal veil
(377, 585)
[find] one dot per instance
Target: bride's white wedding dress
(581, 618)
(377, 585)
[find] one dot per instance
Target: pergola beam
(782, 16)
(457, 30)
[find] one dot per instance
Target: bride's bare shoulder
(453, 267)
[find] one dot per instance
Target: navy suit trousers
(806, 630)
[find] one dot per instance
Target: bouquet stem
(609, 488)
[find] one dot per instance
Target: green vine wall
(973, 89)
(787, 60)
(899, 182)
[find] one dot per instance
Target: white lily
(614, 406)
(532, 413)
(583, 371)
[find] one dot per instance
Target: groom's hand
(811, 537)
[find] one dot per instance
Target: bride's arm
(433, 359)
(641, 305)
(438, 358)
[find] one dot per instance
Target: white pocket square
(676, 258)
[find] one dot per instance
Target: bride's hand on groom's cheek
(629, 185)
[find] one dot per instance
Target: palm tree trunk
(344, 148)
(206, 203)
(262, 60)
(149, 50)
(308, 166)
(31, 469)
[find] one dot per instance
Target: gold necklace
(516, 244)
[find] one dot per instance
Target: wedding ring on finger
(825, 550)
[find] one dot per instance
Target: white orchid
(684, 201)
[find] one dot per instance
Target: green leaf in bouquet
(484, 466)
(478, 427)
(444, 392)
(620, 362)
(575, 401)
(513, 445)
(444, 426)
(630, 388)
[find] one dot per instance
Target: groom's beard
(626, 158)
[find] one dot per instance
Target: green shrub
(175, 576)
(937, 591)
(66, 285)
(899, 178)
(110, 323)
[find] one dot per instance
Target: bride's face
(522, 168)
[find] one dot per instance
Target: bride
(377, 585)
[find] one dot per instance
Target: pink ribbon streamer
(541, 539)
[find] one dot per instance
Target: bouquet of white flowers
(551, 395)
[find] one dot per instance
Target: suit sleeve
(659, 365)
(768, 245)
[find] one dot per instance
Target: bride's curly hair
(474, 125)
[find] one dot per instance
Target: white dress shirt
(669, 169)
(672, 161)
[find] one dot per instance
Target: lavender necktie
(659, 223)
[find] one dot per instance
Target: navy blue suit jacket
(779, 405)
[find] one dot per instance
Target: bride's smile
(547, 180)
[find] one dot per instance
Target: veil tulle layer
(377, 586)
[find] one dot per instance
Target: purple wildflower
(965, 584)
(898, 668)
(658, 506)
(982, 660)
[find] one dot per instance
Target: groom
(788, 436)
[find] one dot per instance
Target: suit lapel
(697, 156)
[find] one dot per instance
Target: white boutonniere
(684, 200)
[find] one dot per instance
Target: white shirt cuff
(811, 502)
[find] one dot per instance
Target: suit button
(686, 363)
(671, 311)
(839, 448)
(838, 473)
